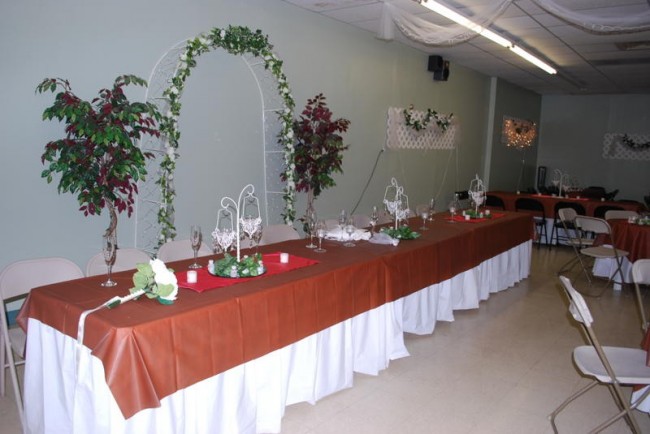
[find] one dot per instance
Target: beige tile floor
(498, 369)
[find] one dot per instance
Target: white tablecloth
(65, 390)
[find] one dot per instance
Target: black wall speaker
(439, 67)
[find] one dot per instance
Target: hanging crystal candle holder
(224, 233)
(246, 218)
(396, 202)
(477, 193)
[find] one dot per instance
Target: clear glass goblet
(432, 208)
(374, 219)
(109, 244)
(196, 237)
(453, 207)
(312, 219)
(423, 211)
(321, 231)
(349, 230)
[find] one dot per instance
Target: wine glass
(349, 230)
(423, 211)
(432, 208)
(453, 207)
(343, 217)
(195, 238)
(374, 219)
(321, 231)
(312, 219)
(108, 247)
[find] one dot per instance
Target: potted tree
(98, 159)
(319, 149)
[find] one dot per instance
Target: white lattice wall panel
(615, 149)
(401, 136)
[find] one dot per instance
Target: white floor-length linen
(65, 390)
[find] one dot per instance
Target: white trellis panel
(401, 136)
(615, 149)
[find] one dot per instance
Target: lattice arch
(277, 106)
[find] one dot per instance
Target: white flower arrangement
(235, 40)
(155, 280)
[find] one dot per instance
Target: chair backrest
(494, 202)
(277, 233)
(600, 211)
(18, 278)
(593, 224)
(620, 214)
(577, 304)
(567, 214)
(180, 249)
(125, 259)
(641, 272)
(529, 204)
(579, 209)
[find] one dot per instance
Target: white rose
(222, 34)
(290, 134)
(162, 276)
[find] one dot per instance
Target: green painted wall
(91, 42)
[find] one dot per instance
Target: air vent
(635, 45)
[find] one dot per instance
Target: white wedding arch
(154, 221)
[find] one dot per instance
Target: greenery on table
(473, 214)
(401, 233)
(249, 266)
(156, 281)
(98, 158)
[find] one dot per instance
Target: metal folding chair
(641, 276)
(611, 366)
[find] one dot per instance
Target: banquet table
(631, 237)
(230, 359)
(549, 201)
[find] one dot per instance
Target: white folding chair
(277, 233)
(180, 249)
(573, 237)
(641, 276)
(612, 366)
(16, 280)
(601, 227)
(620, 214)
(125, 259)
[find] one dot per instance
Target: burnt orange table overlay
(549, 202)
(632, 238)
(149, 350)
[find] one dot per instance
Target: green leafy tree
(98, 159)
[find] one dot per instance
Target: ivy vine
(442, 121)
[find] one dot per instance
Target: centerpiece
(397, 205)
(235, 220)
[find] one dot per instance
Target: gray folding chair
(641, 276)
(611, 366)
(573, 237)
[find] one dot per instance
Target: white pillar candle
(284, 258)
(192, 276)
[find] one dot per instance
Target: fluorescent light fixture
(487, 33)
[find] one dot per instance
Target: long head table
(549, 202)
(149, 351)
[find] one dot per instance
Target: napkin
(340, 235)
(382, 238)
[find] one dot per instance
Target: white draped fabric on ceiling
(425, 32)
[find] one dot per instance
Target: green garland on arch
(235, 40)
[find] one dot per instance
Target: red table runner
(206, 281)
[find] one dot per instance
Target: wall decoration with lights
(417, 129)
(518, 133)
(626, 146)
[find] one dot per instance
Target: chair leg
(14, 377)
(3, 365)
(626, 410)
(567, 401)
(639, 300)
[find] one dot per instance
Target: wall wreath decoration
(633, 144)
(235, 40)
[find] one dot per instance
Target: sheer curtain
(420, 30)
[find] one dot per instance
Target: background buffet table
(230, 359)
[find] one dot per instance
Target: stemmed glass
(343, 217)
(374, 219)
(321, 231)
(312, 219)
(453, 207)
(423, 211)
(432, 208)
(108, 247)
(349, 229)
(256, 237)
(195, 238)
